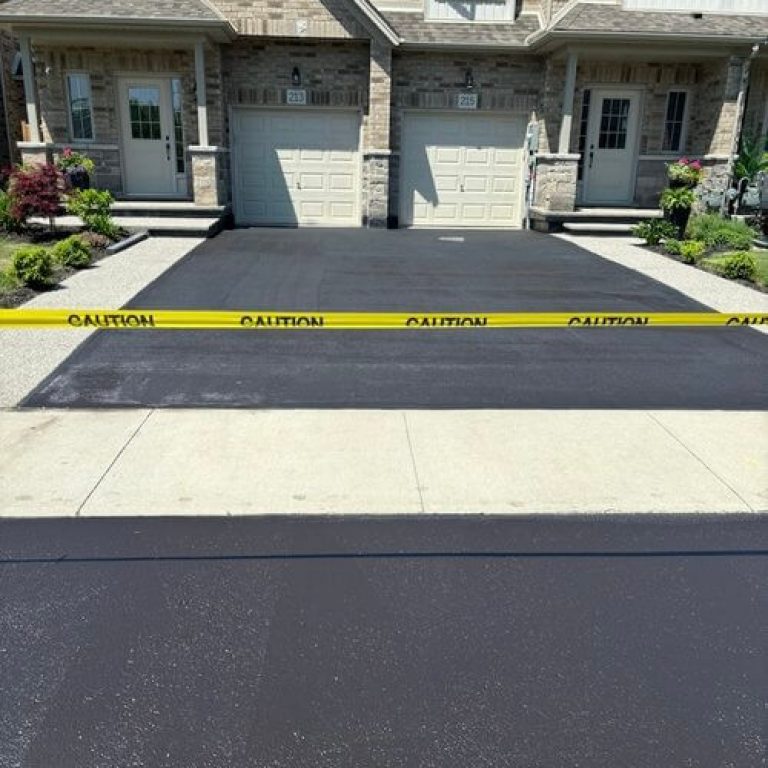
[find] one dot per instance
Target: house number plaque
(296, 96)
(467, 101)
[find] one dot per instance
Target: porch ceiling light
(296, 76)
(469, 79)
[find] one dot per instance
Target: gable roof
(414, 29)
(104, 10)
(599, 18)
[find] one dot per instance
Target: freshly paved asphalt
(418, 271)
(290, 643)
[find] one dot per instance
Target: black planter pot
(679, 218)
(78, 178)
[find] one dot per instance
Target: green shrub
(673, 246)
(8, 221)
(717, 232)
(654, 231)
(72, 252)
(105, 226)
(739, 266)
(692, 250)
(93, 207)
(677, 199)
(33, 265)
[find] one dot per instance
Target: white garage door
(461, 170)
(296, 167)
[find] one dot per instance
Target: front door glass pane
(144, 104)
(614, 119)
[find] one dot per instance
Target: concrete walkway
(713, 291)
(219, 462)
(27, 356)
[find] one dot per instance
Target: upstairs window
(80, 107)
(674, 122)
(469, 10)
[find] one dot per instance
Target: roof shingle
(99, 9)
(414, 28)
(614, 19)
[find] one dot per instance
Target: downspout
(738, 124)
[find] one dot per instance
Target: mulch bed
(660, 250)
(14, 297)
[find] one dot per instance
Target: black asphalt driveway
(420, 271)
(371, 643)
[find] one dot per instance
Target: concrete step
(595, 228)
(157, 226)
(591, 219)
(166, 208)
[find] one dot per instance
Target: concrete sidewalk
(218, 462)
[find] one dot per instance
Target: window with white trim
(674, 121)
(80, 106)
(469, 10)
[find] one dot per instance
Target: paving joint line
(702, 462)
(413, 461)
(114, 461)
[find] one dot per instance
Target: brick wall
(13, 102)
(53, 64)
(294, 18)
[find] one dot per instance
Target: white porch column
(202, 106)
(29, 90)
(568, 91)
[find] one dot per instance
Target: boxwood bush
(691, 251)
(739, 266)
(72, 252)
(33, 265)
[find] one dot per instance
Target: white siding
(699, 6)
(470, 10)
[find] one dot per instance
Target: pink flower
(67, 152)
(696, 165)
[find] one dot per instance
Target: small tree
(36, 190)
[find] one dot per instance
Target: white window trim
(683, 128)
(70, 125)
(509, 4)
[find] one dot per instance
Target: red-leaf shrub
(36, 191)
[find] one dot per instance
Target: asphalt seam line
(413, 462)
(113, 462)
(702, 462)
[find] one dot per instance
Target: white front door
(461, 170)
(148, 136)
(610, 157)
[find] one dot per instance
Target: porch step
(156, 209)
(156, 226)
(606, 220)
(597, 228)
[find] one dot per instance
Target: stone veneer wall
(757, 100)
(556, 182)
(53, 64)
(505, 84)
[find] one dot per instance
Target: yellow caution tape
(259, 320)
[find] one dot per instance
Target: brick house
(391, 112)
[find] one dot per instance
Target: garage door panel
(462, 170)
(297, 168)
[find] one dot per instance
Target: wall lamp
(296, 76)
(469, 79)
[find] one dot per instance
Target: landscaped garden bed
(34, 258)
(710, 241)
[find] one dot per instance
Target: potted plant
(76, 167)
(676, 202)
(684, 173)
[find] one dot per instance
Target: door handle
(461, 187)
(167, 147)
(298, 185)
(591, 154)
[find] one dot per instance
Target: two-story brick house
(399, 112)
